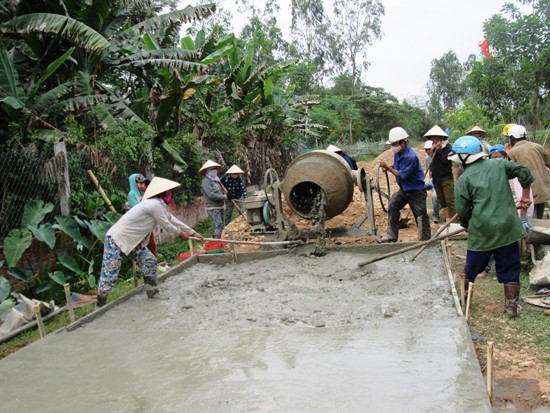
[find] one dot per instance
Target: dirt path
(522, 383)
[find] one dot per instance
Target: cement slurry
(284, 334)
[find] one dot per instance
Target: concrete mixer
(317, 186)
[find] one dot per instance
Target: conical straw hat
(234, 170)
(158, 186)
(332, 148)
(436, 131)
(209, 164)
(476, 129)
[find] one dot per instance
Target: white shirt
(136, 224)
(517, 192)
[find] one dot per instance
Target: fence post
(63, 183)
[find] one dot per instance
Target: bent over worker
(486, 208)
(130, 234)
(409, 175)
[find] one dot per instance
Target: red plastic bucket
(183, 256)
(213, 247)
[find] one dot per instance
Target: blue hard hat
(497, 148)
(467, 144)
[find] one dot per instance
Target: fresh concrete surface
(281, 334)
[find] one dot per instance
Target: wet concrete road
(286, 334)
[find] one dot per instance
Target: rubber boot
(150, 286)
(101, 301)
(511, 292)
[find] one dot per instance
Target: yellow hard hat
(507, 128)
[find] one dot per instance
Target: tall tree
(309, 29)
(446, 84)
(515, 82)
(356, 26)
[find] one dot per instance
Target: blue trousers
(507, 260)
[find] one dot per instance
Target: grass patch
(526, 333)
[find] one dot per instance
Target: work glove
(525, 221)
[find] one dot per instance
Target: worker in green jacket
(486, 208)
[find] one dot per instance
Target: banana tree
(111, 59)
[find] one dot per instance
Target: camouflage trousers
(112, 259)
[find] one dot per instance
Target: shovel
(404, 222)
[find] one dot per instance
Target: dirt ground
(519, 377)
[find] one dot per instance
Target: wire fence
(28, 174)
(25, 175)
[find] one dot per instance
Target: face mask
(212, 173)
(395, 149)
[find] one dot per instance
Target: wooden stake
(490, 370)
(39, 321)
(469, 300)
(232, 248)
(462, 279)
(412, 247)
(439, 231)
(190, 246)
(101, 191)
(67, 287)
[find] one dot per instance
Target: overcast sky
(415, 33)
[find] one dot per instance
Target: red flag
(485, 47)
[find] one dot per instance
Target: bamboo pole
(439, 231)
(490, 370)
(228, 241)
(67, 287)
(410, 248)
(39, 321)
(469, 300)
(100, 190)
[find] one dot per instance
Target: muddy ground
(520, 381)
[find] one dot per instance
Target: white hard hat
(436, 131)
(234, 170)
(428, 144)
(158, 186)
(332, 148)
(517, 132)
(210, 164)
(397, 134)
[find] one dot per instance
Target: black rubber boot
(101, 301)
(150, 286)
(511, 292)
